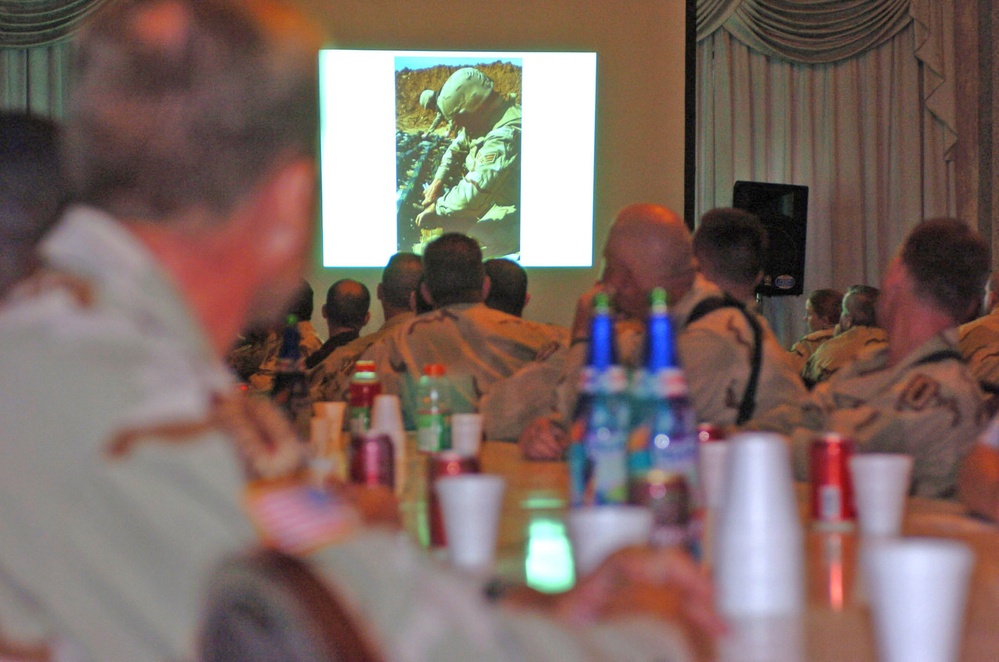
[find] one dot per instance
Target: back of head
(400, 278)
(731, 244)
(347, 303)
(508, 286)
(453, 269)
(189, 103)
(949, 263)
(827, 304)
(860, 303)
(32, 189)
(303, 304)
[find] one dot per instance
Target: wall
(640, 108)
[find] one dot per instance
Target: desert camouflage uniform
(478, 347)
(262, 380)
(931, 410)
(489, 194)
(715, 352)
(806, 346)
(329, 381)
(840, 350)
(979, 343)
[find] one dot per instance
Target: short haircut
(302, 305)
(453, 269)
(949, 262)
(733, 242)
(508, 286)
(861, 302)
(400, 278)
(347, 303)
(193, 114)
(827, 304)
(32, 190)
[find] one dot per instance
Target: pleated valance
(30, 23)
(805, 31)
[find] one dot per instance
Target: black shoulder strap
(712, 304)
(941, 355)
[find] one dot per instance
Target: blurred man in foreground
(125, 448)
(915, 395)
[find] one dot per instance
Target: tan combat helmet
(464, 92)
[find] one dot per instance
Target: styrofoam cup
(471, 504)
(466, 434)
(596, 532)
(880, 486)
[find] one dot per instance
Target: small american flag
(296, 517)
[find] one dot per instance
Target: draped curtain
(34, 54)
(852, 98)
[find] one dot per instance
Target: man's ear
(426, 294)
(288, 200)
(527, 299)
(378, 291)
(367, 318)
(487, 284)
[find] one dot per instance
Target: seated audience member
(346, 312)
(915, 395)
(822, 309)
(264, 343)
(126, 449)
(478, 346)
(857, 331)
(32, 191)
(329, 380)
(507, 286)
(978, 340)
(648, 247)
(730, 246)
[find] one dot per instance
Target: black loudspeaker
(782, 209)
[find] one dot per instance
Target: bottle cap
(292, 320)
(364, 366)
(434, 370)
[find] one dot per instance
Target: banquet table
(835, 626)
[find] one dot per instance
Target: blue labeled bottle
(598, 450)
(291, 387)
(663, 442)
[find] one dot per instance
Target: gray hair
(185, 103)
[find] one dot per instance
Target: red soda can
(667, 495)
(832, 489)
(707, 432)
(439, 465)
(372, 459)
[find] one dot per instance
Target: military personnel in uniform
(485, 204)
(478, 346)
(649, 246)
(507, 286)
(730, 246)
(856, 332)
(915, 395)
(256, 361)
(329, 380)
(979, 339)
(822, 309)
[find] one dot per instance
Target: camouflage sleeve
(455, 153)
(496, 160)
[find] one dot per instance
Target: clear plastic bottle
(597, 454)
(433, 414)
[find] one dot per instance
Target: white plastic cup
(466, 434)
(711, 460)
(386, 417)
(917, 589)
(880, 486)
(334, 412)
(596, 532)
(759, 550)
(471, 504)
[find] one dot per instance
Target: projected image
(458, 151)
(417, 143)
